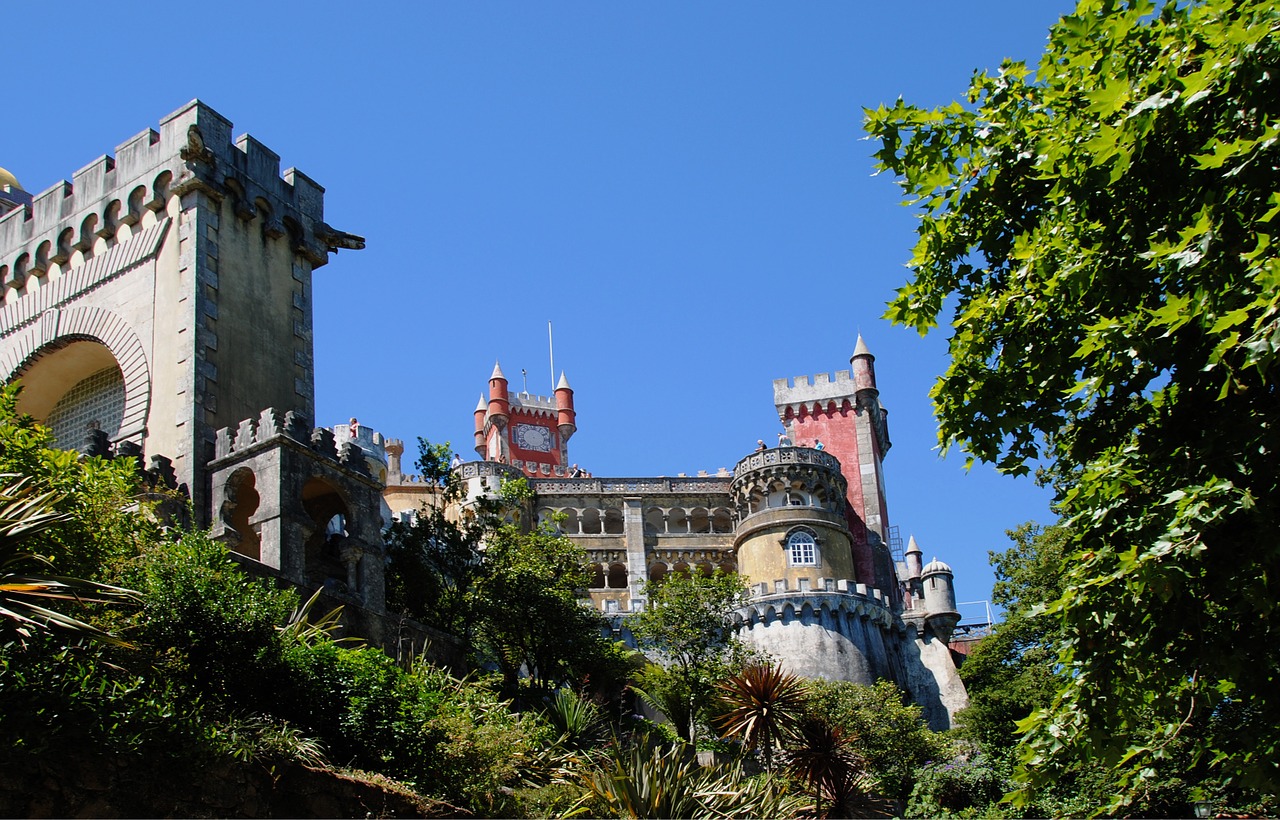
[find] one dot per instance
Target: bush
(209, 625)
(891, 734)
(959, 788)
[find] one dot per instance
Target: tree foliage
(687, 628)
(1014, 671)
(1100, 234)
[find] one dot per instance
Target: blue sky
(683, 189)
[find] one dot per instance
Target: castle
(158, 307)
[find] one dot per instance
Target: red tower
(526, 431)
(845, 416)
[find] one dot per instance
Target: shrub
(890, 733)
(959, 788)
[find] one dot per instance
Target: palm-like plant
(763, 706)
(668, 782)
(24, 514)
(823, 757)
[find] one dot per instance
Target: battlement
(272, 428)
(820, 387)
(193, 150)
(531, 402)
(366, 438)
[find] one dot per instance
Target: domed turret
(11, 193)
(940, 598)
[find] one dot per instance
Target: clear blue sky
(682, 188)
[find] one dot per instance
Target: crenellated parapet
(271, 426)
(819, 389)
(286, 496)
(126, 192)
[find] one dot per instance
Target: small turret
(565, 415)
(914, 558)
(395, 449)
(499, 400)
(940, 598)
(864, 368)
(482, 407)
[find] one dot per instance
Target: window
(802, 550)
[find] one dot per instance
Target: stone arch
(137, 201)
(242, 501)
(160, 190)
(699, 520)
(617, 576)
(721, 520)
(591, 523)
(653, 521)
(330, 514)
(657, 572)
(110, 221)
(597, 576)
(677, 521)
(613, 524)
(60, 329)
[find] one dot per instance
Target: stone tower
(165, 292)
(845, 415)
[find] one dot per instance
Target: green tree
(1100, 234)
(434, 559)
(530, 609)
(1014, 671)
(687, 628)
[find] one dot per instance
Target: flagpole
(551, 349)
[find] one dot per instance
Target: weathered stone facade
(158, 307)
(805, 523)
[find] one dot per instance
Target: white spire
(563, 384)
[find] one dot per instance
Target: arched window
(802, 549)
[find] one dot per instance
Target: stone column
(633, 538)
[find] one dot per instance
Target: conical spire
(861, 349)
(497, 372)
(563, 384)
(912, 546)
(482, 404)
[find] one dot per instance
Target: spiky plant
(24, 515)
(655, 781)
(763, 705)
(823, 756)
(578, 719)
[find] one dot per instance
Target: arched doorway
(73, 388)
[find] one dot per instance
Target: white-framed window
(802, 549)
